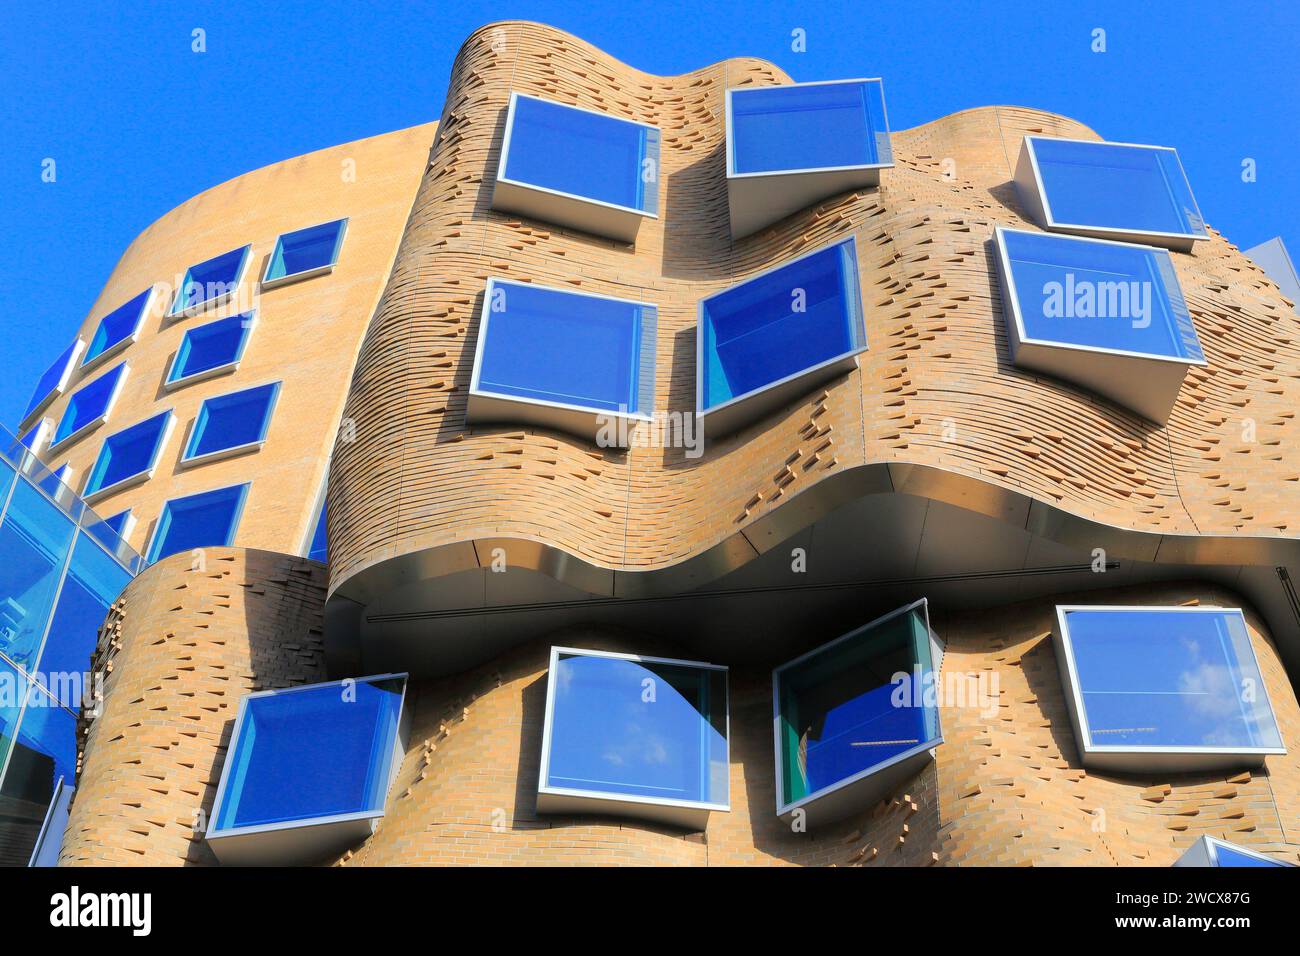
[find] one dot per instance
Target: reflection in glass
(34, 540)
(811, 126)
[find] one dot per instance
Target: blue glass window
(1166, 679)
(1115, 186)
(230, 424)
(35, 437)
(623, 727)
(565, 348)
(305, 253)
(128, 456)
(1096, 294)
(808, 126)
(1225, 854)
(318, 550)
(112, 532)
(310, 754)
(52, 381)
(206, 520)
(855, 706)
(581, 153)
(34, 540)
(211, 349)
(46, 749)
(118, 329)
(210, 282)
(794, 319)
(90, 405)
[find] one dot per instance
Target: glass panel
(582, 153)
(305, 250)
(210, 280)
(319, 540)
(88, 403)
(6, 479)
(788, 321)
(34, 541)
(1099, 294)
(93, 583)
(841, 712)
(1139, 188)
(232, 421)
(211, 347)
(205, 520)
(554, 346)
(1228, 856)
(1171, 678)
(51, 381)
(131, 452)
(13, 690)
(817, 126)
(638, 728)
(310, 753)
(118, 326)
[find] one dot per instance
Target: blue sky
(137, 123)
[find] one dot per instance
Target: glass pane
(6, 479)
(205, 520)
(788, 321)
(34, 540)
(117, 326)
(130, 452)
(319, 540)
(1169, 678)
(840, 708)
(582, 153)
(13, 690)
(310, 753)
(1099, 294)
(1227, 856)
(211, 279)
(554, 346)
(232, 421)
(88, 403)
(640, 729)
(305, 250)
(818, 126)
(93, 583)
(1139, 188)
(211, 346)
(50, 380)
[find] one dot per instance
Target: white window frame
(269, 283)
(104, 416)
(90, 497)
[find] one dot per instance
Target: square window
(634, 736)
(766, 342)
(308, 770)
(210, 350)
(1207, 851)
(231, 424)
(794, 145)
(117, 330)
(1109, 190)
(128, 457)
(577, 167)
(210, 282)
(90, 406)
(1106, 315)
(1161, 688)
(567, 360)
(856, 717)
(206, 520)
(305, 253)
(52, 382)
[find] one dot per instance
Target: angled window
(308, 770)
(318, 547)
(210, 282)
(576, 167)
(794, 145)
(634, 736)
(1109, 190)
(231, 424)
(128, 457)
(90, 406)
(38, 436)
(210, 350)
(1207, 851)
(306, 253)
(1274, 258)
(1107, 315)
(768, 341)
(112, 532)
(573, 361)
(117, 330)
(206, 520)
(1164, 688)
(52, 382)
(855, 717)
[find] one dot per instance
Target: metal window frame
(198, 307)
(58, 443)
(89, 362)
(269, 283)
(91, 495)
(249, 323)
(189, 459)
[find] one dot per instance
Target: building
(713, 476)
